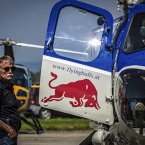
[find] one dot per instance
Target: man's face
(6, 70)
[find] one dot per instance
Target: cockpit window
(20, 78)
(135, 39)
(77, 35)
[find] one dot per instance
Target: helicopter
(94, 67)
(22, 85)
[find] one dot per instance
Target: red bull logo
(82, 92)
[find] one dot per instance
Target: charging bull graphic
(82, 91)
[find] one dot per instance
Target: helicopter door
(76, 66)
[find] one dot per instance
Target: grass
(60, 124)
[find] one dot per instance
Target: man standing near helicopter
(10, 121)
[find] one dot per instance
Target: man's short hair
(6, 58)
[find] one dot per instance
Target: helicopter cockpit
(20, 78)
(131, 98)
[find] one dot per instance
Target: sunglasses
(6, 69)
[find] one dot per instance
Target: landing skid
(36, 124)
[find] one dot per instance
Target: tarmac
(55, 133)
(53, 138)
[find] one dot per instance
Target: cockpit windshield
(20, 78)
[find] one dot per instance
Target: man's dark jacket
(9, 106)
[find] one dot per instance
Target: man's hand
(11, 132)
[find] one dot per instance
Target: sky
(26, 21)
